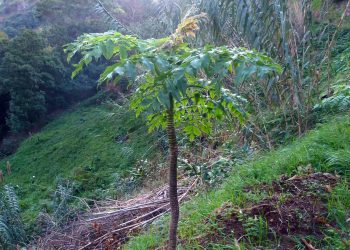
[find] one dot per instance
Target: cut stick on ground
(135, 226)
(110, 223)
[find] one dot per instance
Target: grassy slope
(327, 148)
(81, 146)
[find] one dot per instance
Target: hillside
(92, 146)
(174, 124)
(275, 201)
(33, 65)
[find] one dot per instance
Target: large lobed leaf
(193, 77)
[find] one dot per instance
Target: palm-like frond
(283, 30)
(262, 24)
(168, 14)
(110, 18)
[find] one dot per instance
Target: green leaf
(182, 86)
(192, 131)
(196, 131)
(130, 70)
(190, 78)
(219, 113)
(162, 64)
(78, 68)
(148, 63)
(108, 73)
(119, 70)
(205, 60)
(123, 53)
(178, 73)
(96, 53)
(108, 49)
(163, 98)
(196, 63)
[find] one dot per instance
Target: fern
(339, 161)
(339, 102)
(5, 235)
(62, 198)
(11, 227)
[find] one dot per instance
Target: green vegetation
(11, 226)
(210, 65)
(85, 146)
(183, 87)
(320, 148)
(330, 12)
(34, 75)
(31, 75)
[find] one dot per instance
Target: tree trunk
(173, 151)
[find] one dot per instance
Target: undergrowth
(319, 148)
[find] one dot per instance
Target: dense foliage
(56, 23)
(193, 76)
(32, 75)
(181, 66)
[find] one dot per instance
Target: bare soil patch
(295, 207)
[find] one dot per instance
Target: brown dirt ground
(295, 207)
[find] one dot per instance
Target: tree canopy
(163, 67)
(31, 74)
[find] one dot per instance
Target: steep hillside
(91, 146)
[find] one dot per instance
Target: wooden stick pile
(110, 224)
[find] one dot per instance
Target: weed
(256, 230)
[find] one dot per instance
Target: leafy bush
(211, 173)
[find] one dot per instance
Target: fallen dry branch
(308, 245)
(109, 224)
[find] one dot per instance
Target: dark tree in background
(31, 74)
